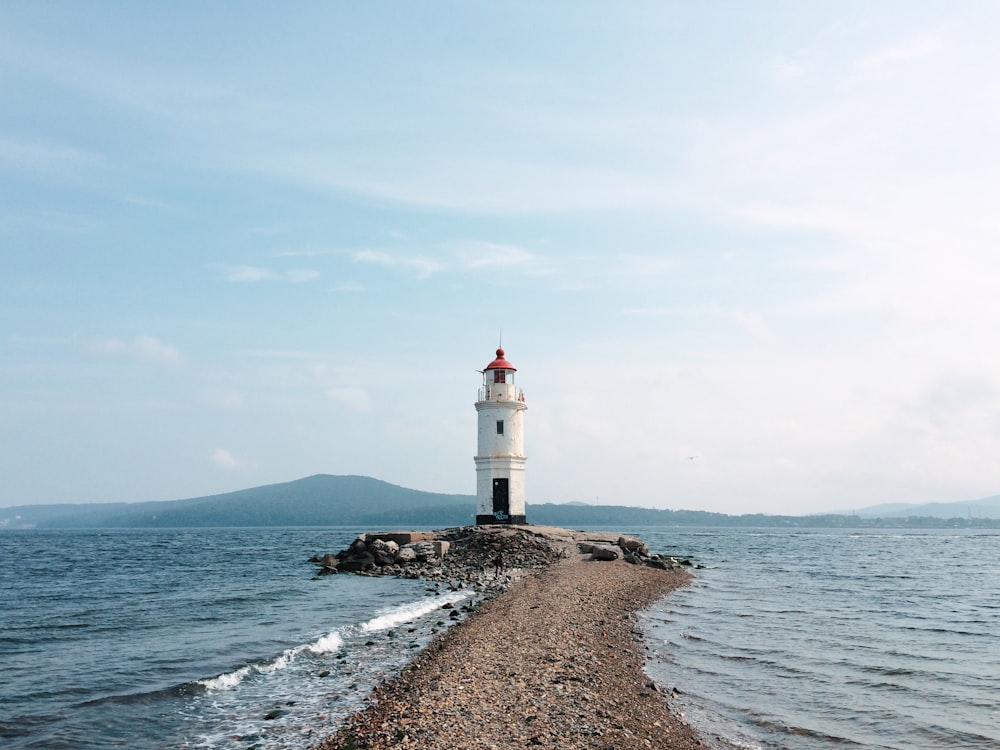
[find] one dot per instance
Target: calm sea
(194, 638)
(223, 639)
(834, 639)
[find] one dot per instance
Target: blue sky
(744, 255)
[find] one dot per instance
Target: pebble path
(555, 661)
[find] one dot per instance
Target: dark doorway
(501, 499)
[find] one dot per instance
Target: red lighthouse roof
(500, 363)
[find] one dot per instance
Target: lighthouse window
(499, 427)
(499, 376)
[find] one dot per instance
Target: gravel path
(555, 661)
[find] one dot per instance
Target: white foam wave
(230, 680)
(411, 611)
(332, 642)
(226, 681)
(327, 644)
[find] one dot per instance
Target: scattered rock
(384, 552)
(631, 544)
(553, 662)
(600, 552)
(465, 556)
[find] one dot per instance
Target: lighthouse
(500, 458)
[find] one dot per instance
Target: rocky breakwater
(485, 557)
(555, 660)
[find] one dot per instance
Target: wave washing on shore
(195, 638)
(815, 640)
(221, 638)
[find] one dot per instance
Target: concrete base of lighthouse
(513, 520)
(500, 490)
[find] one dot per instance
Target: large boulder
(358, 564)
(423, 550)
(600, 552)
(384, 552)
(356, 548)
(402, 538)
(330, 564)
(631, 544)
(406, 555)
(660, 563)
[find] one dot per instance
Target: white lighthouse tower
(500, 458)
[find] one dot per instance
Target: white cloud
(145, 349)
(224, 459)
(789, 68)
(151, 349)
(489, 255)
(920, 45)
(277, 354)
(753, 324)
(298, 275)
(356, 399)
(472, 256)
(107, 347)
(421, 264)
(47, 158)
(227, 399)
(311, 253)
(348, 287)
(255, 274)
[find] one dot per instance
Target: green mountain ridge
(319, 500)
(364, 502)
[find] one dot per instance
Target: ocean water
(194, 638)
(834, 639)
(221, 638)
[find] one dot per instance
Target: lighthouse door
(501, 499)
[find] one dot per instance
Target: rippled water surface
(193, 638)
(215, 638)
(816, 639)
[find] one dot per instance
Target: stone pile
(631, 550)
(468, 555)
(463, 556)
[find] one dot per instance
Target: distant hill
(987, 507)
(320, 500)
(363, 502)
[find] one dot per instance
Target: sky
(745, 256)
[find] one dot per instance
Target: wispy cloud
(753, 324)
(346, 287)
(224, 459)
(460, 181)
(145, 349)
(47, 159)
(749, 322)
(226, 399)
(354, 398)
(492, 255)
(467, 256)
(276, 354)
(419, 264)
(918, 46)
(256, 274)
(317, 252)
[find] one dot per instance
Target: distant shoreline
(364, 502)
